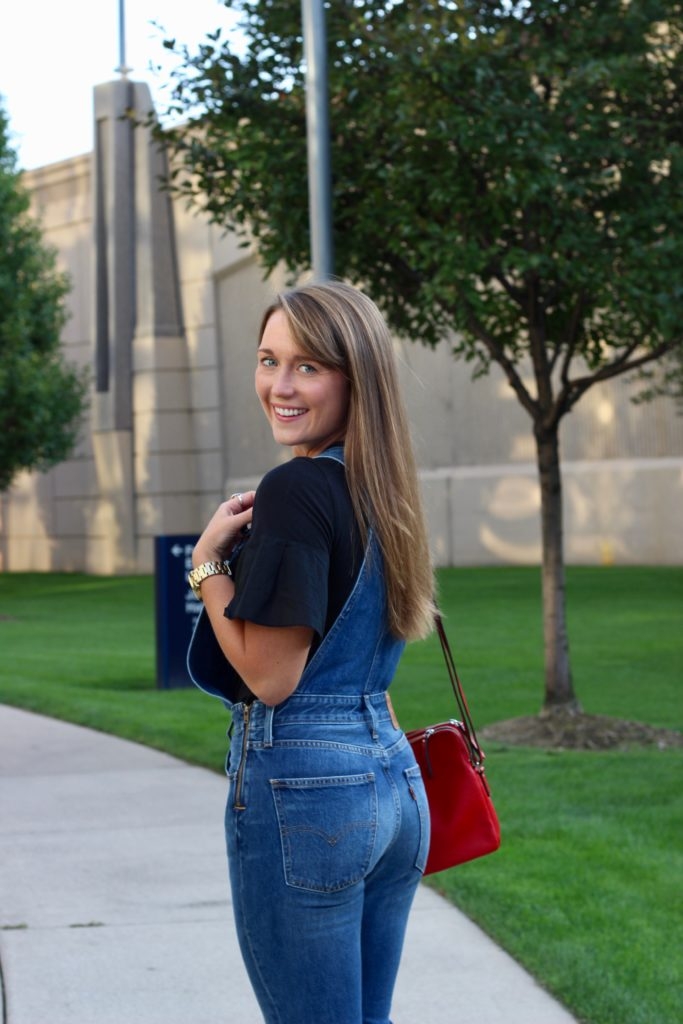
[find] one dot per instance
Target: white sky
(53, 52)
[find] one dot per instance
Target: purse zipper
(238, 805)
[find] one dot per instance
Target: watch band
(197, 576)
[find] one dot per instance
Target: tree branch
(497, 354)
(517, 295)
(574, 389)
(571, 337)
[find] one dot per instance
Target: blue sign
(177, 609)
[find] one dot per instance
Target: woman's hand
(223, 529)
(269, 660)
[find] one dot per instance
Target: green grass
(586, 889)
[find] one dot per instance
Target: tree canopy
(506, 174)
(41, 396)
(495, 166)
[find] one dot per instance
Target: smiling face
(305, 402)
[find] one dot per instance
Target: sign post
(177, 609)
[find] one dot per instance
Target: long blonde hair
(342, 328)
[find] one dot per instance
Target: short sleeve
(281, 583)
(282, 575)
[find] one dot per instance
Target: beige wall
(198, 433)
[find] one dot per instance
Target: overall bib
(327, 826)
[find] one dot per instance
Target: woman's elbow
(274, 661)
(273, 692)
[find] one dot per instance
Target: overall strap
(336, 453)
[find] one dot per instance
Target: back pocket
(419, 797)
(327, 829)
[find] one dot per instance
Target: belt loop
(268, 727)
(373, 716)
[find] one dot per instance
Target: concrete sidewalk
(114, 901)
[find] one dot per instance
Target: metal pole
(318, 139)
(122, 69)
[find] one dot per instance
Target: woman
(327, 821)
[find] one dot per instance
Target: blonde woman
(327, 822)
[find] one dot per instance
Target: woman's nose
(284, 382)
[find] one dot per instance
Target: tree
(41, 397)
(505, 172)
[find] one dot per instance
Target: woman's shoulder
(318, 475)
(304, 498)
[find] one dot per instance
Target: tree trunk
(559, 690)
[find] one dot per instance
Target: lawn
(585, 890)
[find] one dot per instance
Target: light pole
(318, 139)
(123, 68)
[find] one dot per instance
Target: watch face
(197, 576)
(194, 582)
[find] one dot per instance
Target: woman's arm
(270, 659)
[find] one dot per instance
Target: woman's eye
(307, 368)
(267, 361)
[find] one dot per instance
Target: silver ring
(239, 498)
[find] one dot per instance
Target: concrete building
(165, 309)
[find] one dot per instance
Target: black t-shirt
(304, 551)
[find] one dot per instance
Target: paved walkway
(114, 905)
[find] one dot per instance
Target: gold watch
(197, 576)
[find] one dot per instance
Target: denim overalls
(327, 826)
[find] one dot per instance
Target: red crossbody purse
(464, 823)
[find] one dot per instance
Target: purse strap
(476, 753)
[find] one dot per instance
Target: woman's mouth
(285, 412)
